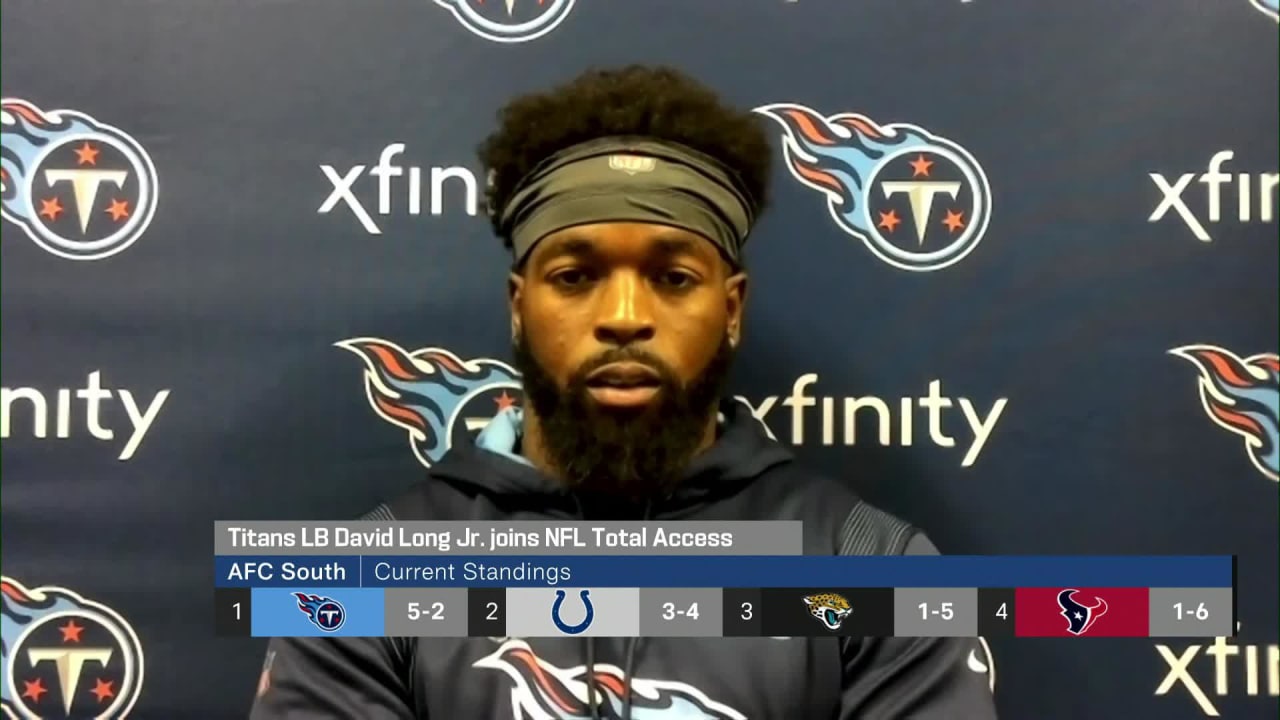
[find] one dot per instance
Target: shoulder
(836, 519)
(427, 499)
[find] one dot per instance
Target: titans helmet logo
(1270, 7)
(509, 21)
(1080, 617)
(542, 691)
(79, 188)
(1242, 396)
(918, 201)
(65, 656)
(436, 396)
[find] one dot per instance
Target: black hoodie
(743, 476)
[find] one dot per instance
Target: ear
(735, 290)
(515, 296)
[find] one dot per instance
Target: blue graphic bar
(978, 571)
(323, 612)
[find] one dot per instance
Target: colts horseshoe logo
(573, 629)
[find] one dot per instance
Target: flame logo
(436, 396)
(897, 188)
(1242, 395)
(31, 621)
(74, 168)
(545, 692)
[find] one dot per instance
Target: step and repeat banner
(1049, 327)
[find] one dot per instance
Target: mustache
(624, 354)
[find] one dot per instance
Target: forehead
(624, 241)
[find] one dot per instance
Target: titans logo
(65, 656)
(1080, 617)
(438, 397)
(919, 202)
(79, 188)
(1270, 7)
(543, 691)
(1242, 396)
(509, 21)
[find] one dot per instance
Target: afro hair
(652, 101)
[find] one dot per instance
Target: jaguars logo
(439, 398)
(829, 608)
(79, 188)
(65, 656)
(509, 21)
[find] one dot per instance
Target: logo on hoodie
(545, 692)
(438, 398)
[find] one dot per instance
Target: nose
(625, 313)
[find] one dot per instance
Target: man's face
(624, 335)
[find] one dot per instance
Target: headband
(619, 179)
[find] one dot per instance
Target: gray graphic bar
(508, 538)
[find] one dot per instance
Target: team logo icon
(587, 618)
(1242, 396)
(918, 201)
(509, 21)
(323, 612)
(830, 609)
(79, 188)
(546, 692)
(436, 396)
(1080, 617)
(65, 656)
(1270, 7)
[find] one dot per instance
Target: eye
(570, 278)
(677, 279)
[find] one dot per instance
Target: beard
(628, 453)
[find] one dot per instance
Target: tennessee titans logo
(1080, 617)
(439, 398)
(543, 691)
(1242, 395)
(79, 188)
(65, 656)
(918, 201)
(323, 612)
(509, 21)
(1270, 7)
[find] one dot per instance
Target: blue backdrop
(1044, 322)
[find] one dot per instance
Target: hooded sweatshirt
(744, 475)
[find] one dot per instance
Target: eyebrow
(582, 246)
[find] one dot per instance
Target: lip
(624, 376)
(628, 397)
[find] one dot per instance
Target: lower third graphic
(1080, 617)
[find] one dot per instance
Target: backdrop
(1023, 264)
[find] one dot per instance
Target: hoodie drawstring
(632, 644)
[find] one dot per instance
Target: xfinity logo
(1254, 195)
(1249, 670)
(934, 417)
(89, 411)
(390, 186)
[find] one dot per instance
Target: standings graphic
(589, 613)
(509, 21)
(830, 609)
(1080, 617)
(543, 691)
(1242, 396)
(1270, 7)
(918, 201)
(65, 656)
(324, 612)
(79, 188)
(439, 398)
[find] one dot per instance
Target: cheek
(696, 343)
(552, 340)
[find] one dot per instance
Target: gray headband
(629, 180)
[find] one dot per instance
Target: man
(625, 198)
